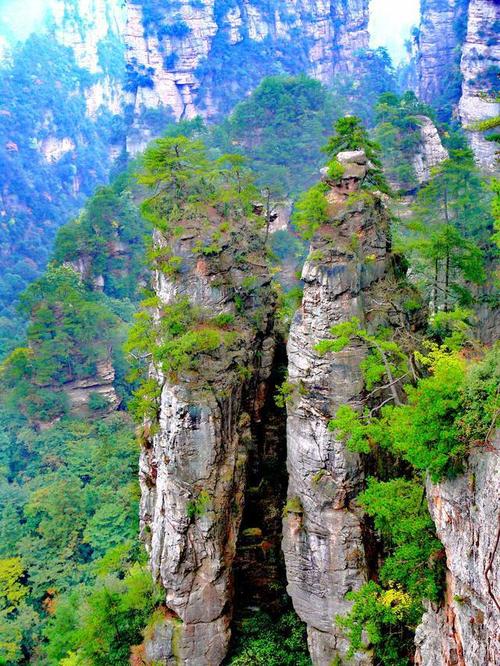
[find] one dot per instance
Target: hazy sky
(19, 18)
(390, 24)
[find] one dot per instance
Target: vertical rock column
(439, 44)
(192, 472)
(323, 528)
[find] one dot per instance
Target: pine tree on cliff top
(350, 134)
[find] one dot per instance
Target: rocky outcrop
(430, 151)
(323, 528)
(199, 57)
(466, 630)
(99, 388)
(193, 470)
(480, 68)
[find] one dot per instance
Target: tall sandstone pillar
(192, 471)
(323, 543)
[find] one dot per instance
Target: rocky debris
(480, 59)
(193, 470)
(465, 630)
(430, 152)
(323, 528)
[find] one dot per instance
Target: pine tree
(350, 134)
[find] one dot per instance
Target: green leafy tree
(429, 430)
(311, 211)
(265, 641)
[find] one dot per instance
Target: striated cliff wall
(466, 630)
(480, 76)
(193, 471)
(323, 528)
(458, 56)
(441, 32)
(203, 57)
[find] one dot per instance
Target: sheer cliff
(480, 71)
(323, 541)
(203, 57)
(457, 64)
(465, 630)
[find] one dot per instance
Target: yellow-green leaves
(12, 589)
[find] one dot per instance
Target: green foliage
(99, 624)
(43, 97)
(311, 211)
(398, 134)
(109, 235)
(280, 128)
(12, 590)
(264, 641)
(374, 75)
(385, 359)
(71, 329)
(68, 496)
(413, 553)
(177, 340)
(335, 170)
(385, 615)
(448, 236)
(388, 616)
(199, 506)
(186, 182)
(447, 412)
(284, 393)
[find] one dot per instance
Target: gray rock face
(466, 629)
(323, 528)
(192, 472)
(480, 55)
(430, 152)
(80, 391)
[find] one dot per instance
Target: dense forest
(99, 318)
